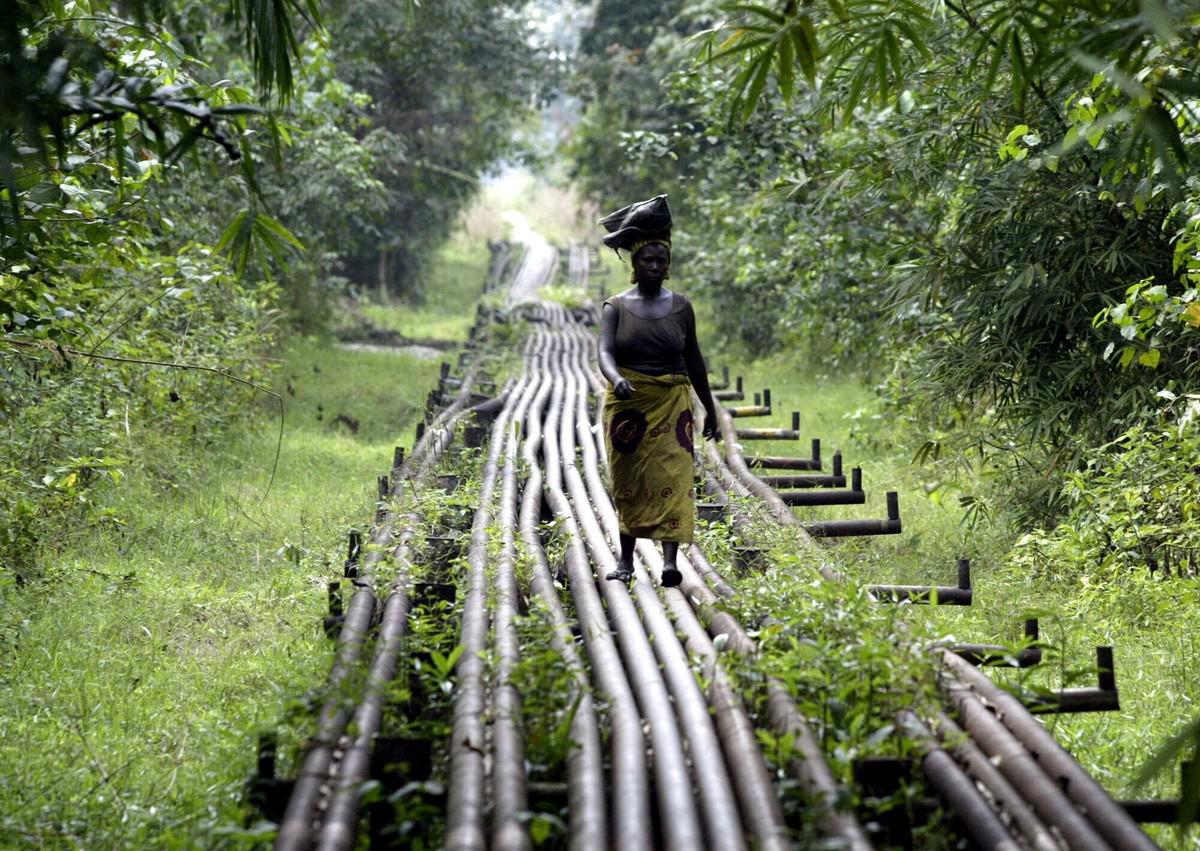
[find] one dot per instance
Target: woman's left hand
(711, 427)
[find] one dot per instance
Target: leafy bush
(74, 421)
(1134, 509)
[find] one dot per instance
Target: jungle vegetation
(182, 184)
(987, 207)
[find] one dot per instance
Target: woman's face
(652, 262)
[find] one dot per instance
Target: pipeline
(809, 766)
(509, 794)
(296, 827)
(1109, 819)
(742, 754)
(585, 764)
(708, 784)
(679, 817)
(465, 794)
(629, 783)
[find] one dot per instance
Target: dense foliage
(178, 187)
(954, 198)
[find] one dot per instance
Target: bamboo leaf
(1183, 85)
(1016, 62)
(893, 47)
(741, 47)
(1164, 132)
(232, 230)
(993, 69)
(756, 86)
(270, 225)
(881, 70)
(857, 84)
(812, 52)
(1154, 13)
(787, 68)
(914, 37)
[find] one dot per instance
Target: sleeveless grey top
(653, 346)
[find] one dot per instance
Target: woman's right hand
(623, 389)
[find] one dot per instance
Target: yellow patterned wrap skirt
(649, 442)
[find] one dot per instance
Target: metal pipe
(941, 595)
(955, 788)
(754, 410)
(1110, 820)
(735, 395)
(1006, 797)
(1103, 698)
(804, 481)
(718, 803)
(630, 787)
(832, 496)
(783, 462)
(848, 528)
(679, 818)
(742, 751)
(295, 828)
(1019, 765)
(339, 828)
(808, 766)
(585, 762)
(767, 434)
(465, 792)
(508, 793)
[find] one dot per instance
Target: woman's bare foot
(623, 573)
(671, 577)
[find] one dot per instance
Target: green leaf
(806, 52)
(238, 109)
(756, 86)
(1164, 132)
(787, 68)
(232, 230)
(1150, 358)
(857, 84)
(1155, 14)
(903, 24)
(1020, 73)
(269, 224)
(893, 47)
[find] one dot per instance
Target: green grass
(454, 286)
(144, 663)
(1153, 625)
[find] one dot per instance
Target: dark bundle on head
(638, 224)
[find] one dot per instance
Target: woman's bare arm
(698, 375)
(608, 359)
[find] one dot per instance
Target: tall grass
(137, 672)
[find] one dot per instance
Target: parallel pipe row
(1002, 772)
(657, 760)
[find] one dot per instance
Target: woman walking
(651, 357)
